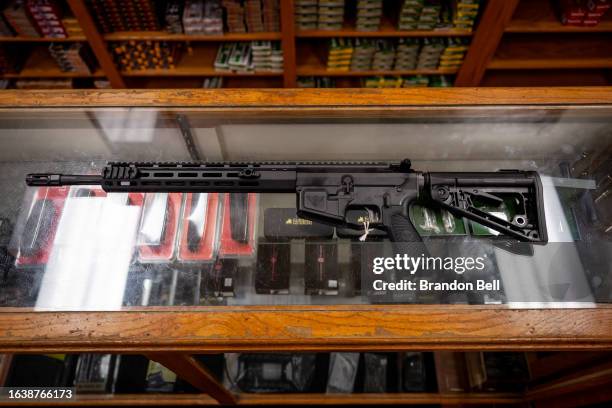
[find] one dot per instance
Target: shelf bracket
(495, 19)
(287, 8)
(186, 367)
(96, 42)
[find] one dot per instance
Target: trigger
(366, 225)
(357, 216)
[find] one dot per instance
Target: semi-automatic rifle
(340, 193)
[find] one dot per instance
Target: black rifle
(340, 193)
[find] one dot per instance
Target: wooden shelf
(545, 77)
(164, 36)
(194, 82)
(321, 71)
(200, 62)
(41, 65)
(539, 16)
(387, 29)
(312, 62)
(349, 32)
(553, 51)
(547, 63)
(293, 399)
(196, 71)
(77, 38)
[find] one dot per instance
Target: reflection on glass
(554, 274)
(127, 125)
(91, 254)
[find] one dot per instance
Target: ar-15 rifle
(334, 192)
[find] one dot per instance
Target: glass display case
(175, 273)
(81, 248)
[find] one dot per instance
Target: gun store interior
(185, 220)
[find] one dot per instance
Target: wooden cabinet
(571, 117)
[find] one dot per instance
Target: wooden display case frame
(172, 336)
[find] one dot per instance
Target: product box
(281, 225)
(273, 267)
(342, 373)
(321, 268)
(582, 12)
(218, 280)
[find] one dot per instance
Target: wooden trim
(187, 368)
(199, 70)
(309, 328)
(96, 42)
(166, 36)
(299, 98)
(384, 32)
(550, 63)
(286, 399)
(204, 117)
(494, 21)
(322, 71)
(376, 399)
(19, 39)
(288, 43)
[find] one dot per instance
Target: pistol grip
(398, 225)
(404, 237)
